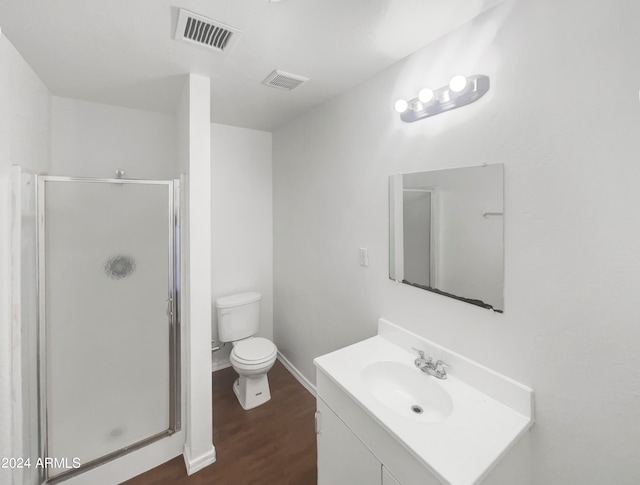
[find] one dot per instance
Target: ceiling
(122, 52)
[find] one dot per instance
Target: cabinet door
(342, 458)
(388, 478)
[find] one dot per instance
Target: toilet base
(252, 391)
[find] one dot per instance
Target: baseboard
(196, 464)
(297, 374)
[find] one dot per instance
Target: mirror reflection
(446, 233)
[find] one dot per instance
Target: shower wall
(24, 316)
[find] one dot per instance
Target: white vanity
(382, 420)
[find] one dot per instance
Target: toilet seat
(253, 351)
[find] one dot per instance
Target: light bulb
(401, 106)
(458, 83)
(425, 95)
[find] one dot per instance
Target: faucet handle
(439, 369)
(420, 352)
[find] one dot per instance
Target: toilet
(251, 357)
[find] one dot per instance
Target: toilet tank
(238, 316)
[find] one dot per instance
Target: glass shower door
(108, 336)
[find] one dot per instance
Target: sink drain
(417, 409)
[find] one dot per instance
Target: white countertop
(482, 427)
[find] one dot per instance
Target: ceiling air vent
(284, 80)
(196, 29)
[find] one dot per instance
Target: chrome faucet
(426, 364)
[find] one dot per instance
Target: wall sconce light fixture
(460, 91)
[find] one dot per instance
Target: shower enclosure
(109, 336)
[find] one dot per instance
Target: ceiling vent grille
(284, 80)
(196, 29)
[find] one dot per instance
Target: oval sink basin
(407, 391)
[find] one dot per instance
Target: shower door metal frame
(173, 302)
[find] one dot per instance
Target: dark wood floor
(273, 444)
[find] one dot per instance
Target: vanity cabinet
(382, 421)
(355, 450)
(342, 458)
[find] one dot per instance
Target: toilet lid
(254, 349)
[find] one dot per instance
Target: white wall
(93, 140)
(242, 222)
(563, 116)
(25, 125)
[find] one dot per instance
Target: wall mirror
(446, 233)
